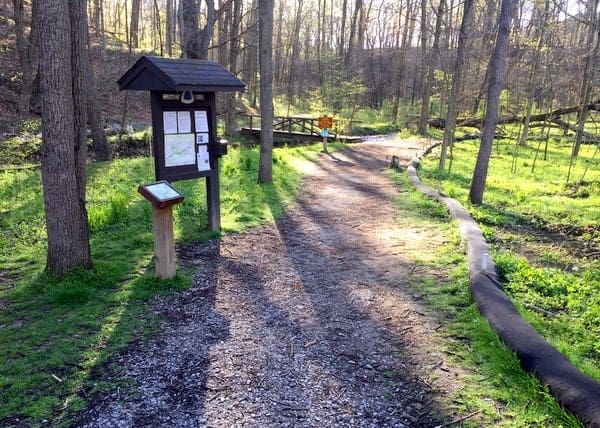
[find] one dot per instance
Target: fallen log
(474, 122)
(467, 137)
(567, 126)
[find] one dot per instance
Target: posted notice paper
(203, 160)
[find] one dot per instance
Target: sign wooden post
(164, 244)
(325, 134)
(162, 197)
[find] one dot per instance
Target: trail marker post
(325, 123)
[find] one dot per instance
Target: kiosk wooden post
(162, 196)
(164, 244)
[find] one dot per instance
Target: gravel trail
(308, 322)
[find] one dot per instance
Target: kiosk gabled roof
(153, 73)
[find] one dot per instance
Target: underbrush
(56, 333)
(545, 235)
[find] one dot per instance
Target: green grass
(495, 385)
(553, 282)
(56, 333)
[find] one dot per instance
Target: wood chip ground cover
(306, 322)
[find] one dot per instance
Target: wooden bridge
(292, 128)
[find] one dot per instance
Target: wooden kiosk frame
(184, 124)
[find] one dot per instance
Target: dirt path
(307, 322)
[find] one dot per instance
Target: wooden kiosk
(184, 124)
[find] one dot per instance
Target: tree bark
(158, 27)
(249, 70)
(431, 62)
(457, 79)
(551, 116)
(29, 62)
(80, 66)
(295, 53)
(265, 29)
(588, 73)
(135, 23)
(234, 52)
(224, 27)
(170, 30)
(423, 55)
(279, 60)
(63, 180)
(354, 35)
(533, 76)
(407, 33)
(342, 38)
(100, 147)
(194, 40)
(19, 18)
(487, 37)
(497, 68)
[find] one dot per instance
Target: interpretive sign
(161, 194)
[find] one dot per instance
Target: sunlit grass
(494, 386)
(539, 195)
(55, 333)
(523, 203)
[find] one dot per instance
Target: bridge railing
(293, 125)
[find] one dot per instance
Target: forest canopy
(382, 47)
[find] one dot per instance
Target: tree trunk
(170, 30)
(319, 41)
(224, 27)
(354, 34)
(63, 179)
(96, 11)
(265, 166)
(249, 70)
(431, 62)
(342, 37)
(19, 17)
(295, 53)
(158, 26)
(533, 76)
(456, 82)
(195, 41)
(102, 28)
(205, 33)
(553, 116)
(423, 58)
(489, 30)
(135, 23)
(80, 66)
(407, 33)
(279, 62)
(497, 68)
(30, 62)
(234, 52)
(588, 73)
(100, 147)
